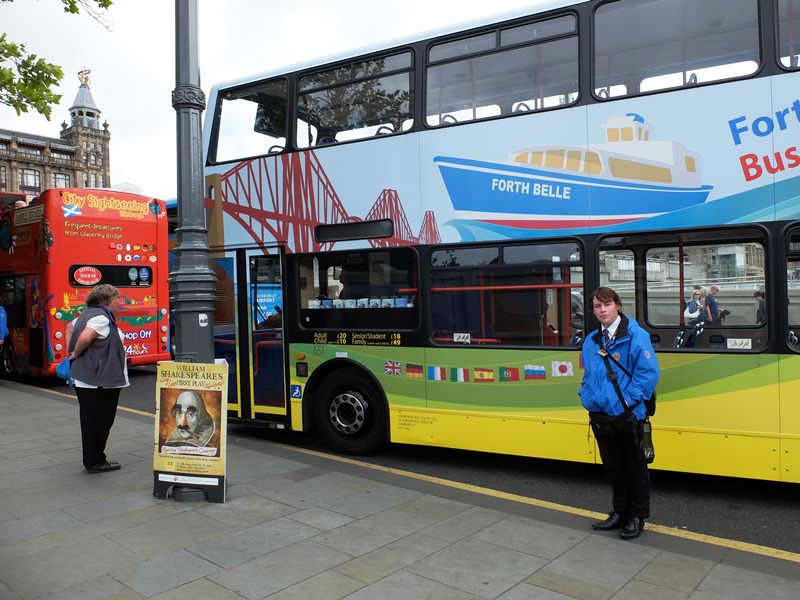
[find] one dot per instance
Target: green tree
(26, 81)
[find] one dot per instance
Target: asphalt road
(756, 512)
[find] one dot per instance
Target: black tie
(606, 337)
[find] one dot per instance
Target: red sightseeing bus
(9, 199)
(55, 249)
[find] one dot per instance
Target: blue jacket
(3, 324)
(632, 348)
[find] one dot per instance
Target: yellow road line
(136, 412)
(72, 396)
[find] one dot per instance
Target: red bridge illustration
(284, 197)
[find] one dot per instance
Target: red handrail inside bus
(478, 288)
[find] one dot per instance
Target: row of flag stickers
(479, 374)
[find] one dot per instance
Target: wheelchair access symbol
(296, 391)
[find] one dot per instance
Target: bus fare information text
(360, 338)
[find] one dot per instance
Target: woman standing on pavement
(99, 370)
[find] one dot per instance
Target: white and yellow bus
(406, 235)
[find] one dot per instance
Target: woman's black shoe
(109, 465)
(613, 521)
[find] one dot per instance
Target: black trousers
(98, 408)
(627, 472)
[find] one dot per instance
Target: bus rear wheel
(6, 359)
(350, 413)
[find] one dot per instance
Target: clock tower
(90, 139)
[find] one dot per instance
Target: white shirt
(612, 329)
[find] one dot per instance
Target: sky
(133, 65)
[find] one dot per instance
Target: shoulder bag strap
(614, 381)
(612, 377)
(624, 370)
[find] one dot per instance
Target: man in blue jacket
(616, 427)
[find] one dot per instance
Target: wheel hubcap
(348, 413)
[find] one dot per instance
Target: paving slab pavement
(298, 525)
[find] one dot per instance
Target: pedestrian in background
(761, 309)
(712, 306)
(3, 325)
(702, 301)
(3, 336)
(615, 402)
(694, 309)
(99, 371)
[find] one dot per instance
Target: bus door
(789, 369)
(262, 356)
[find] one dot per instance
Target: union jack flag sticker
(392, 367)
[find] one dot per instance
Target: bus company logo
(129, 208)
(73, 199)
(87, 276)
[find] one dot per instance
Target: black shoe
(632, 528)
(613, 521)
(109, 465)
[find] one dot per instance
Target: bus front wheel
(350, 413)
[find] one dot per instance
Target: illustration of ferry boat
(628, 177)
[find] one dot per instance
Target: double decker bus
(8, 200)
(54, 250)
(408, 234)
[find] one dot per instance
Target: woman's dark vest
(103, 362)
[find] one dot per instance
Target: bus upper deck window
(490, 74)
(355, 101)
(695, 42)
(252, 121)
(789, 33)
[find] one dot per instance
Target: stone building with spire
(79, 157)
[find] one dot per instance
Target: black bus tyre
(350, 413)
(6, 359)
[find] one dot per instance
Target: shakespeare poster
(190, 435)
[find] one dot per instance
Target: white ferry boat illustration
(628, 177)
